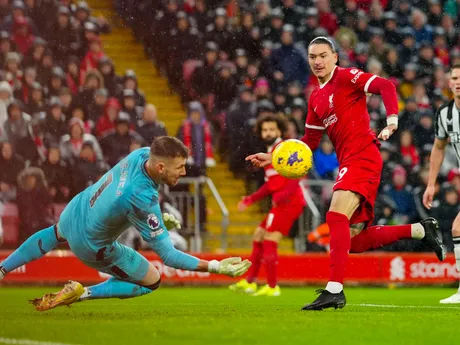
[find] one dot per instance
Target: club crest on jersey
(153, 222)
(331, 101)
(329, 120)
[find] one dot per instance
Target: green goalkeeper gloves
(170, 221)
(232, 267)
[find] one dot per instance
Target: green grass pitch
(185, 315)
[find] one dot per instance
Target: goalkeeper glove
(170, 221)
(232, 267)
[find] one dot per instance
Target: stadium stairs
(126, 53)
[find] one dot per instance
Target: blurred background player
(287, 205)
(447, 130)
(126, 195)
(338, 105)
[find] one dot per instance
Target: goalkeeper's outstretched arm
(172, 257)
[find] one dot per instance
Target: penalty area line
(16, 341)
(403, 306)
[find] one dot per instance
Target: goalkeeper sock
(115, 288)
(34, 248)
(270, 261)
(339, 230)
(378, 236)
(256, 259)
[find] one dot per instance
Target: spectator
(392, 36)
(150, 128)
(63, 36)
(79, 112)
(225, 89)
(292, 13)
(116, 145)
(6, 96)
(423, 31)
(107, 121)
(130, 83)
(298, 111)
(408, 117)
(196, 134)
(11, 165)
(22, 35)
(73, 75)
(130, 108)
(325, 161)
(45, 67)
(91, 59)
(57, 174)
(273, 32)
(93, 82)
(409, 153)
(112, 81)
(36, 103)
(392, 67)
(67, 101)
(203, 78)
(87, 169)
(17, 125)
(72, 143)
(423, 131)
(239, 113)
(56, 82)
(401, 194)
(34, 203)
(327, 19)
(12, 72)
(220, 33)
(35, 54)
(55, 123)
(445, 213)
(23, 93)
(288, 62)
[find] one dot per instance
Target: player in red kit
(287, 205)
(338, 106)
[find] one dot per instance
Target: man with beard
(287, 205)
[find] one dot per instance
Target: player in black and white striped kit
(447, 130)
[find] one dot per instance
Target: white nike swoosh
(315, 108)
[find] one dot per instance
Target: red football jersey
(284, 191)
(339, 107)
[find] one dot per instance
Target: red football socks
(256, 259)
(270, 261)
(339, 230)
(377, 236)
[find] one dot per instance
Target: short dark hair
(168, 147)
(323, 40)
(279, 119)
(456, 66)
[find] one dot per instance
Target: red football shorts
(361, 174)
(282, 218)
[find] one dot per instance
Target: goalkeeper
(126, 195)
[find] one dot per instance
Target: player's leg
(133, 276)
(343, 205)
(248, 285)
(270, 259)
(381, 235)
(455, 298)
(32, 249)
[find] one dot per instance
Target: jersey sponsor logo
(152, 221)
(331, 101)
(454, 137)
(329, 120)
(354, 71)
(355, 79)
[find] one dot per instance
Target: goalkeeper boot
(244, 286)
(68, 295)
(266, 290)
(327, 299)
(431, 237)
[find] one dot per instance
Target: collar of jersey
(332, 76)
(144, 171)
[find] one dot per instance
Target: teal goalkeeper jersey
(124, 196)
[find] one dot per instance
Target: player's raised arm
(371, 83)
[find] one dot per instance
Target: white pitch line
(403, 306)
(14, 341)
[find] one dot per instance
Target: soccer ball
(292, 158)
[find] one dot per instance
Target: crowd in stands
(246, 58)
(66, 117)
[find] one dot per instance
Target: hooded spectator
(22, 35)
(107, 122)
(112, 81)
(72, 143)
(130, 82)
(196, 134)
